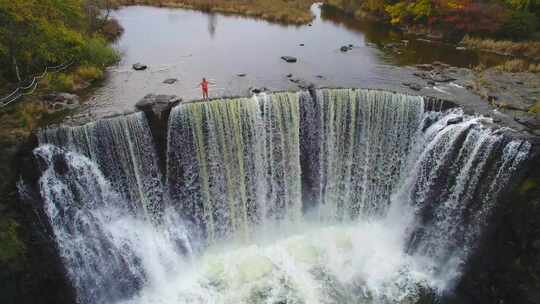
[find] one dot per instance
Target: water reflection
(212, 24)
(405, 49)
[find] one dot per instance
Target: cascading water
(123, 149)
(232, 165)
(339, 196)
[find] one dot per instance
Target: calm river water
(188, 45)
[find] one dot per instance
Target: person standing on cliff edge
(204, 86)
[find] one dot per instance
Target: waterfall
(124, 151)
(460, 168)
(329, 196)
(362, 138)
(234, 164)
(78, 200)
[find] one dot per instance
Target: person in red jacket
(204, 86)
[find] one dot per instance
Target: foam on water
(353, 263)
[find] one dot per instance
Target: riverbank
(283, 11)
(490, 26)
(524, 49)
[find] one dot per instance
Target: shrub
(29, 115)
(520, 25)
(11, 247)
(519, 65)
(97, 52)
(479, 18)
(514, 65)
(112, 29)
(62, 82)
(535, 108)
(534, 68)
(89, 73)
(528, 49)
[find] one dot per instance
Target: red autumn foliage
(472, 17)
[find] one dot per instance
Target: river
(239, 53)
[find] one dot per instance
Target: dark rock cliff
(35, 274)
(505, 268)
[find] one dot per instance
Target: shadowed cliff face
(343, 139)
(506, 265)
(35, 274)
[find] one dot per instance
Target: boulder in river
(241, 75)
(157, 103)
(289, 59)
(139, 66)
(257, 90)
(344, 48)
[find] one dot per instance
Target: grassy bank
(528, 49)
(284, 11)
(519, 65)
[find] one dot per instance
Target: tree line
(509, 19)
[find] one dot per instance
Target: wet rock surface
(508, 98)
(506, 265)
(518, 91)
(157, 103)
(413, 86)
(61, 101)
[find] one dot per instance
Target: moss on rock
(11, 247)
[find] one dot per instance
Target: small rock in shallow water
(139, 66)
(257, 90)
(289, 75)
(344, 48)
(170, 80)
(289, 59)
(241, 75)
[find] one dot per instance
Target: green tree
(39, 33)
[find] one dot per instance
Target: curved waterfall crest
(241, 157)
(328, 196)
(124, 150)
